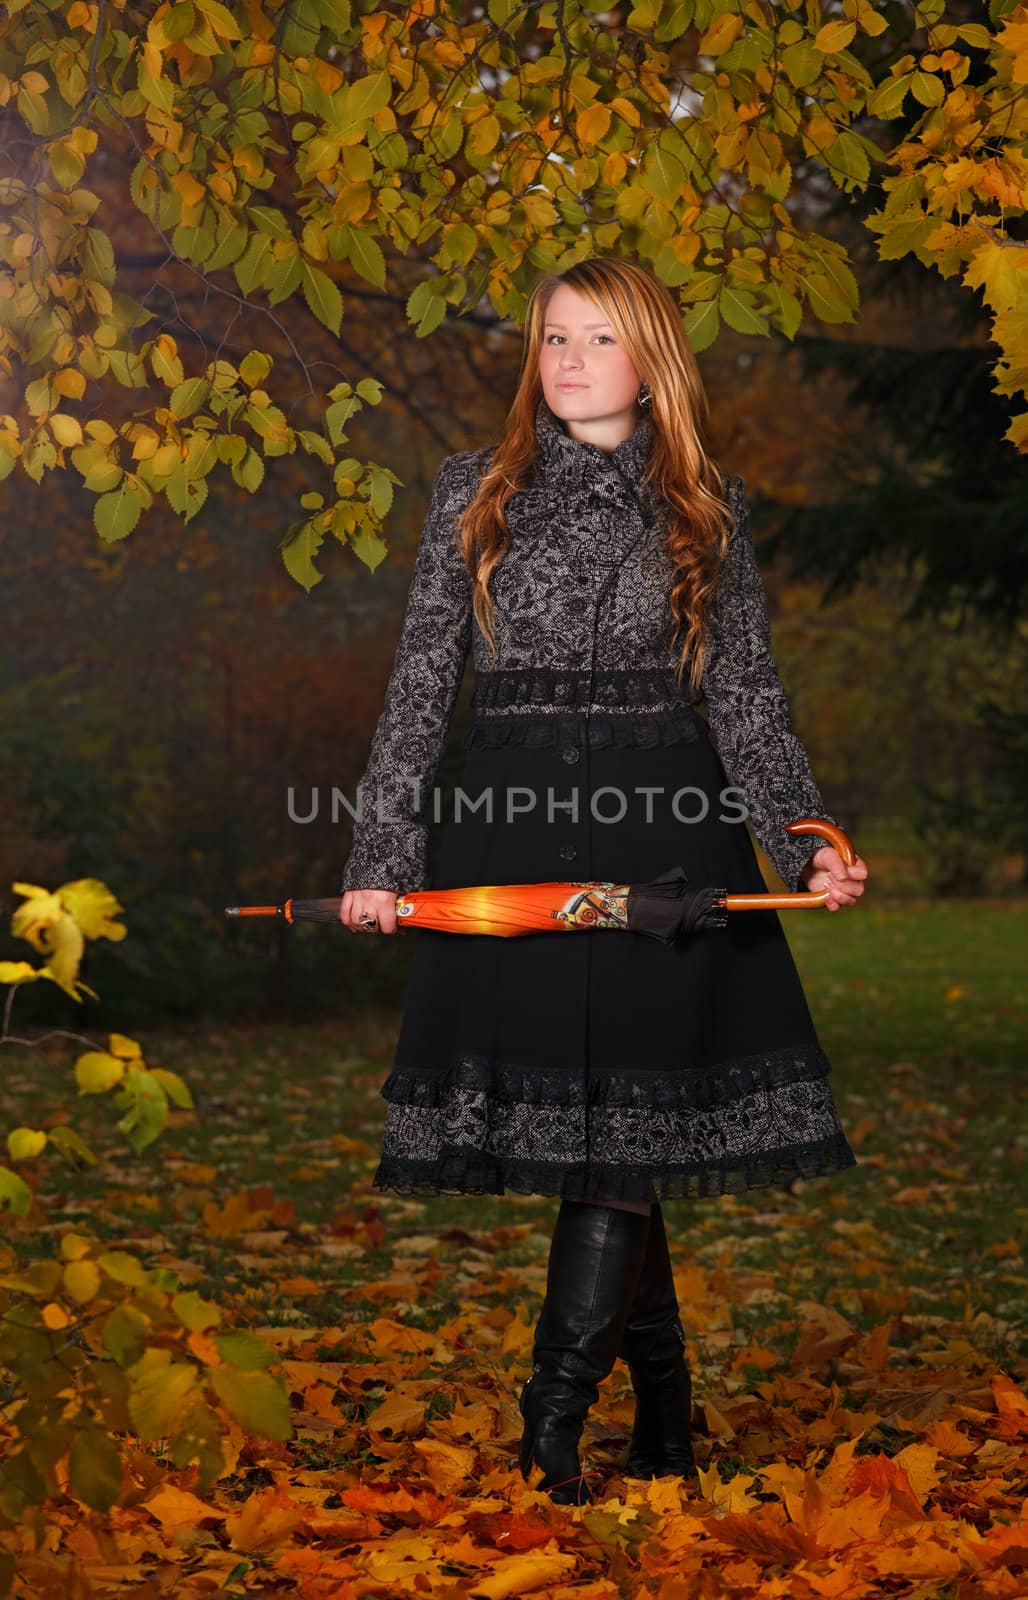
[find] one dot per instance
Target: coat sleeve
(389, 837)
(749, 711)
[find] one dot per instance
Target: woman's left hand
(826, 868)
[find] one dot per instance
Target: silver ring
(366, 920)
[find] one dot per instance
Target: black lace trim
(688, 1088)
(633, 730)
(476, 1173)
(570, 686)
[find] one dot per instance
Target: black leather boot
(596, 1256)
(654, 1348)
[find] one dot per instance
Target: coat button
(570, 755)
(567, 852)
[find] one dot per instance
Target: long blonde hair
(647, 320)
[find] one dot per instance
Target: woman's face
(582, 350)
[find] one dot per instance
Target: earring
(645, 395)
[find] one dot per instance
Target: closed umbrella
(663, 908)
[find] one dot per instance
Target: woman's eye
(553, 336)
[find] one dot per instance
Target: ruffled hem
(604, 731)
(642, 686)
(456, 1172)
(687, 1089)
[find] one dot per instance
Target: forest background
(162, 694)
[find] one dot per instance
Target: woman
(588, 565)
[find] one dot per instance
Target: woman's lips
(571, 386)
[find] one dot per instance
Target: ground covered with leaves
(857, 1344)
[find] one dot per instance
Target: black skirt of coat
(604, 1064)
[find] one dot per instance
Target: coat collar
(565, 462)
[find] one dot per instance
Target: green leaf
(249, 473)
(188, 397)
(229, 247)
(255, 1400)
(176, 1090)
(178, 20)
(34, 109)
(124, 1268)
(72, 1146)
(366, 96)
(366, 256)
(255, 263)
(94, 1468)
(199, 1439)
(124, 1335)
(301, 29)
(159, 1389)
(66, 164)
(221, 18)
(369, 548)
(847, 162)
(15, 1192)
(323, 297)
(738, 311)
(145, 1104)
(338, 415)
(194, 1312)
(160, 92)
(254, 367)
(701, 324)
(116, 514)
(299, 547)
(316, 444)
(185, 495)
(426, 307)
(284, 278)
(270, 220)
(381, 491)
(241, 1349)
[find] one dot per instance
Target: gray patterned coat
(580, 602)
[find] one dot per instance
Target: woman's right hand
(378, 903)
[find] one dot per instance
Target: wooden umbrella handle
(800, 897)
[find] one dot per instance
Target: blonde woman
(598, 567)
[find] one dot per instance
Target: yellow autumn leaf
(97, 1071)
(24, 1143)
(524, 1574)
(74, 1246)
(41, 911)
(120, 1044)
(722, 33)
(399, 1413)
(82, 1280)
(94, 908)
(66, 430)
(177, 1508)
(188, 186)
(70, 382)
(448, 1465)
(19, 972)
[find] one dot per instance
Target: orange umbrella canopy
(663, 908)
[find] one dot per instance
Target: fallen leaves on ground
(854, 1438)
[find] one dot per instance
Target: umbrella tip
(231, 911)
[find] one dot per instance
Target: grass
(920, 1007)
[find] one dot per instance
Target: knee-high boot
(654, 1348)
(596, 1256)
